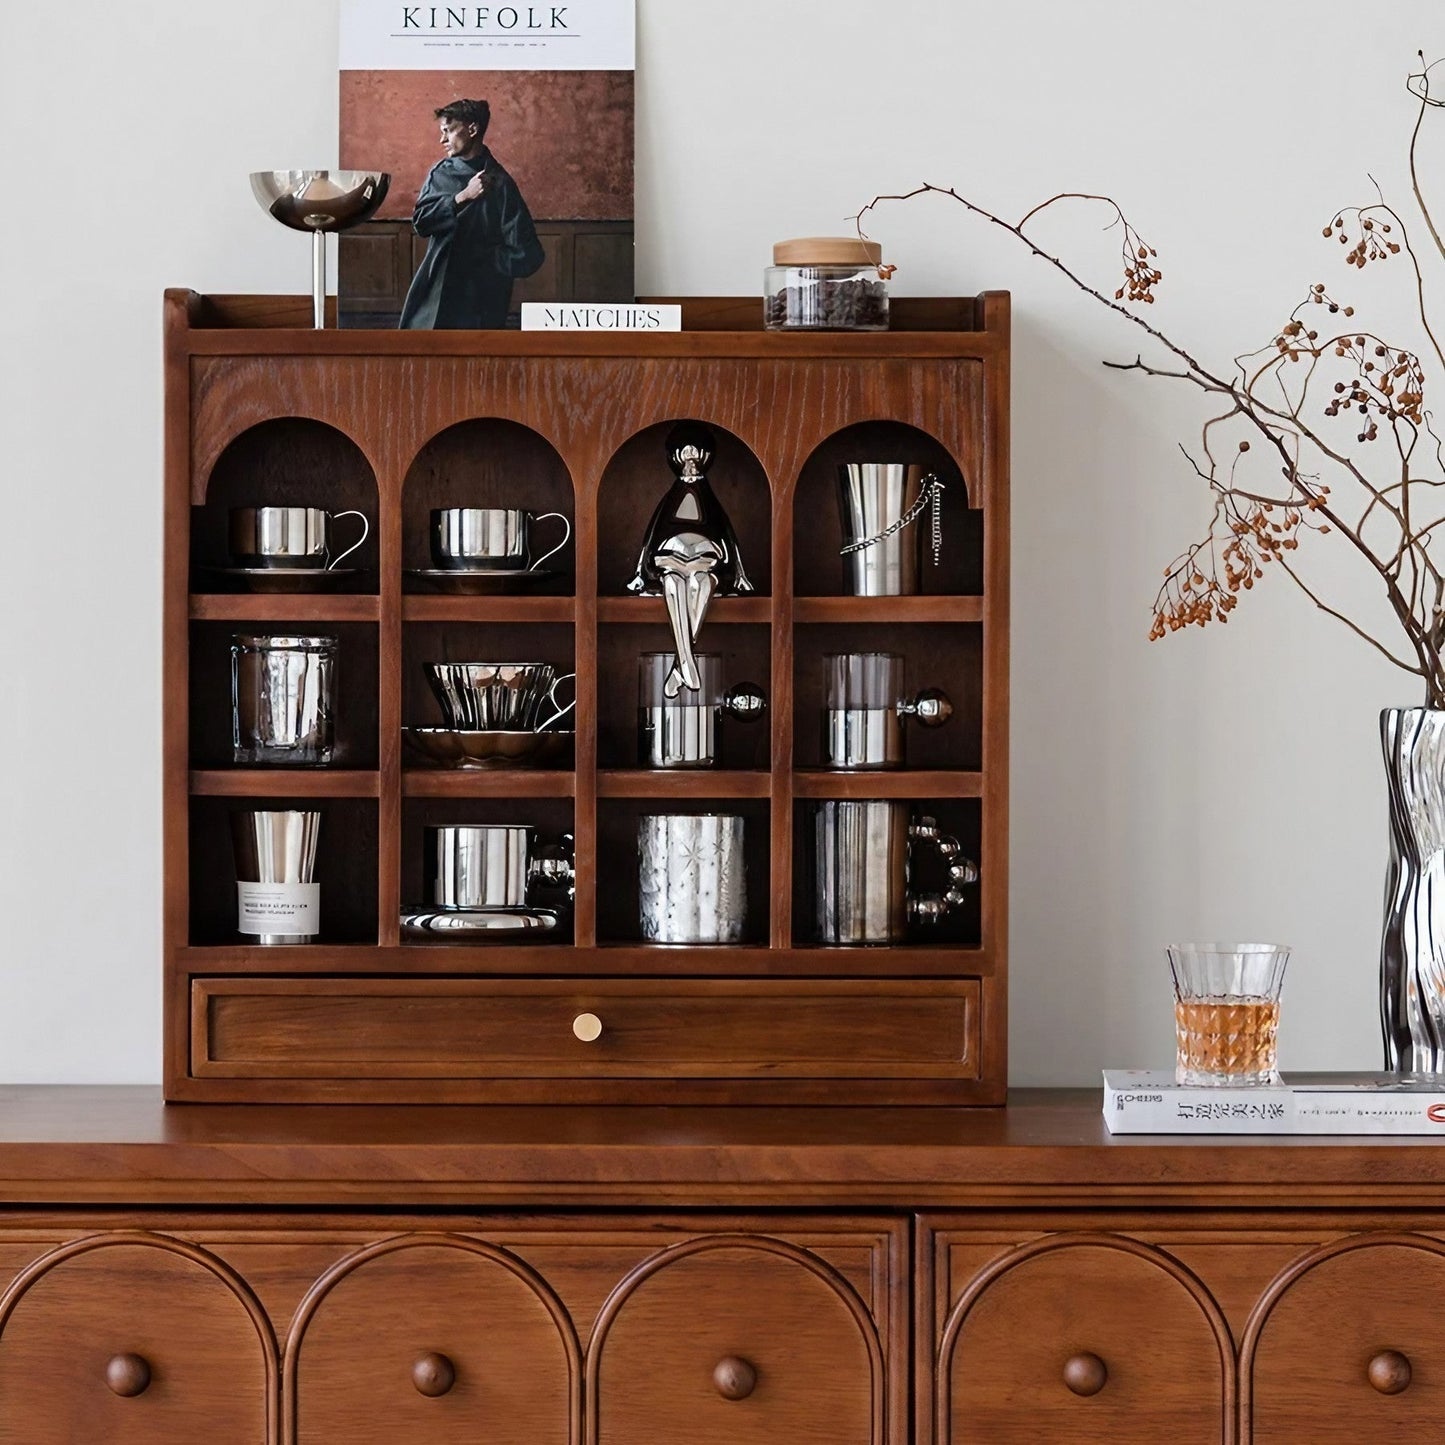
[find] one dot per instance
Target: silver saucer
(449, 748)
(474, 925)
(286, 579)
(478, 582)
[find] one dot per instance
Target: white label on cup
(278, 907)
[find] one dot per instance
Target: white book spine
(1269, 1110)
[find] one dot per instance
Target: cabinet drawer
(1346, 1348)
(500, 1028)
(736, 1341)
(1084, 1340)
(432, 1340)
(134, 1340)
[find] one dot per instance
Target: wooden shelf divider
(284, 783)
(892, 783)
(682, 783)
(523, 608)
(488, 783)
(888, 609)
(653, 609)
(283, 607)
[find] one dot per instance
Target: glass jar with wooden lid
(826, 283)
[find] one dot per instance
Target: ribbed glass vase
(1412, 952)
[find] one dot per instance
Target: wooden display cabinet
(259, 410)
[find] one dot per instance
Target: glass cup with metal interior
(864, 707)
(682, 731)
(1226, 1011)
(283, 700)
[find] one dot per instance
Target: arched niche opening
(818, 567)
(637, 478)
(491, 462)
(287, 461)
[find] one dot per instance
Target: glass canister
(282, 700)
(826, 283)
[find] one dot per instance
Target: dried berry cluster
(1369, 237)
(1196, 592)
(1388, 384)
(1140, 274)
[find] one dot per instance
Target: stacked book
(1148, 1101)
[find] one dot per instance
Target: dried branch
(1294, 396)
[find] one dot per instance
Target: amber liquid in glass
(1226, 1040)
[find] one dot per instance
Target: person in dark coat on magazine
(480, 236)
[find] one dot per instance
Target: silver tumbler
(881, 549)
(862, 871)
(692, 880)
(277, 900)
(282, 700)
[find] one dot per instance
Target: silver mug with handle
(489, 539)
(863, 856)
(471, 866)
(288, 537)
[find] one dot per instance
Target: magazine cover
(508, 135)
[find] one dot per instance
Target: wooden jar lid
(827, 251)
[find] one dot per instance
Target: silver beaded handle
(932, 493)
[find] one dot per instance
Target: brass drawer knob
(1389, 1372)
(587, 1027)
(128, 1375)
(1085, 1373)
(734, 1377)
(433, 1374)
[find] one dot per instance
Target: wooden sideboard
(621, 1276)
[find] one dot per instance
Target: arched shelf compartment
(290, 461)
(818, 569)
(491, 462)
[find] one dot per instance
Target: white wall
(1223, 783)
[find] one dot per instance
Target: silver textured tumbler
(692, 881)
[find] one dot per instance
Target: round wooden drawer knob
(587, 1027)
(1389, 1372)
(433, 1374)
(1085, 1374)
(735, 1378)
(128, 1375)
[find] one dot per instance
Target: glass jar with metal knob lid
(826, 283)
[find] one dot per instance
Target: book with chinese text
(1148, 1101)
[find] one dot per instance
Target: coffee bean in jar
(826, 283)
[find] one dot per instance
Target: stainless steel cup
(862, 864)
(692, 878)
(498, 696)
(485, 539)
(864, 708)
(288, 537)
(490, 865)
(277, 900)
(282, 700)
(682, 731)
(881, 551)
